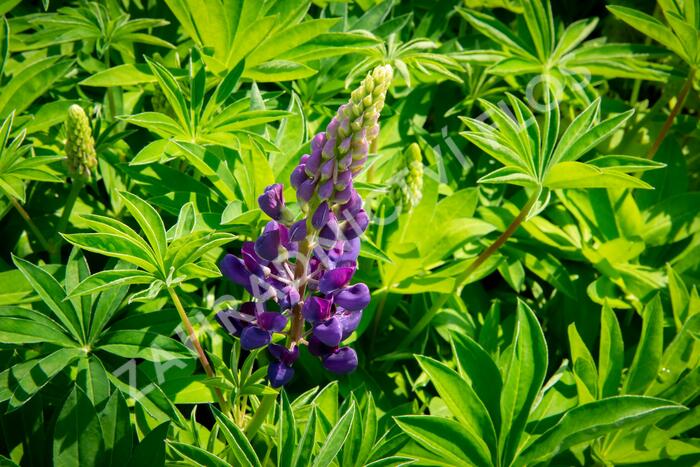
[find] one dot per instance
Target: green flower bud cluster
(408, 185)
(80, 145)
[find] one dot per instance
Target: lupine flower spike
(306, 265)
(80, 146)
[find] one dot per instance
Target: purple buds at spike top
(341, 361)
(297, 232)
(272, 201)
(355, 225)
(320, 216)
(353, 298)
(298, 176)
(335, 279)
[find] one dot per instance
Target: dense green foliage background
(566, 133)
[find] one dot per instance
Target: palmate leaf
(16, 167)
(536, 156)
(277, 41)
(592, 420)
(200, 118)
(682, 35)
(562, 54)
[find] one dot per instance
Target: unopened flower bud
(80, 146)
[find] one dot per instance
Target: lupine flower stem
(198, 346)
(440, 302)
(680, 101)
(32, 226)
(76, 186)
(267, 402)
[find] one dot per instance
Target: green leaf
(336, 438)
(463, 403)
(595, 419)
(115, 422)
(650, 26)
(116, 246)
(197, 456)
(150, 222)
(21, 326)
(476, 364)
(143, 344)
(240, 446)
(610, 355)
(647, 358)
(32, 82)
(307, 442)
(286, 433)
(151, 450)
(31, 378)
(108, 279)
(4, 44)
(78, 433)
(92, 379)
(444, 437)
(278, 70)
(523, 375)
(583, 366)
(579, 175)
(53, 295)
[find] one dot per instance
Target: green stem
(76, 186)
(680, 101)
(32, 226)
(440, 302)
(198, 347)
(267, 402)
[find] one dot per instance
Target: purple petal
(283, 354)
(297, 232)
(272, 201)
(351, 250)
(313, 164)
(298, 176)
(279, 374)
(316, 309)
(253, 337)
(234, 268)
(326, 189)
(327, 169)
(267, 246)
(353, 298)
(306, 190)
(356, 225)
(228, 319)
(289, 297)
(318, 348)
(343, 360)
(251, 260)
(318, 141)
(352, 207)
(329, 332)
(272, 321)
(349, 320)
(335, 279)
(320, 216)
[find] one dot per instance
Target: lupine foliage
(352, 233)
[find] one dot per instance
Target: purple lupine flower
(306, 265)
